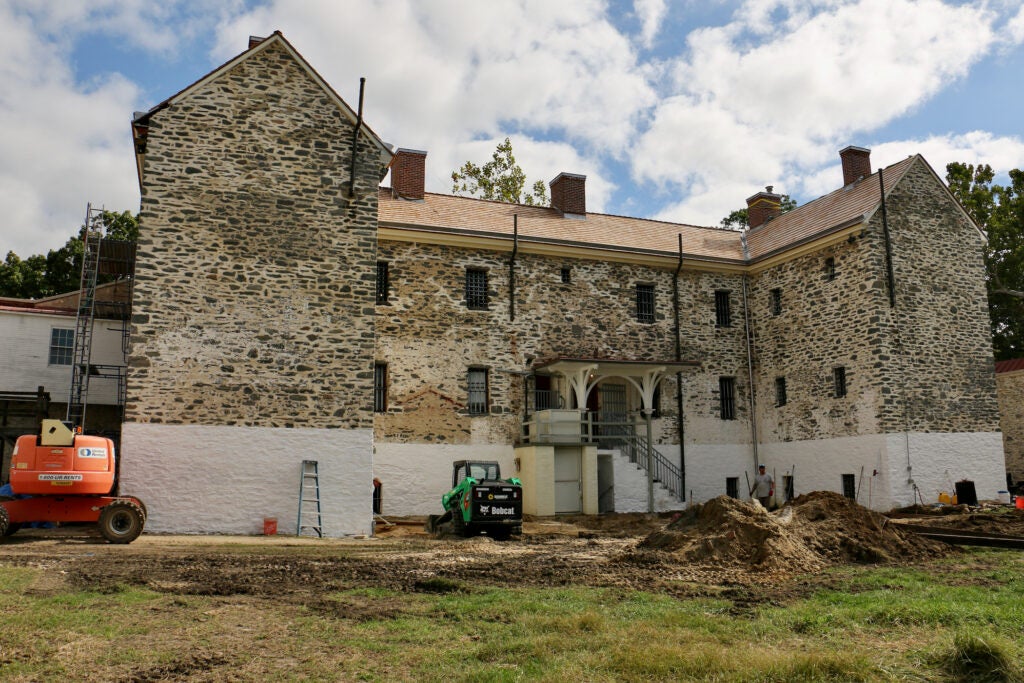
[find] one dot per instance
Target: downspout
(355, 140)
(679, 375)
(750, 362)
(891, 278)
(512, 268)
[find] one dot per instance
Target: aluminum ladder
(309, 500)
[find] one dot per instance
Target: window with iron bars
(839, 380)
(380, 387)
(476, 289)
(830, 268)
(645, 303)
(478, 403)
(727, 398)
(383, 285)
(776, 302)
(723, 314)
(780, 391)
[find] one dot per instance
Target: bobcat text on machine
(68, 477)
(480, 502)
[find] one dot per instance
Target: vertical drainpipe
(679, 375)
(891, 281)
(512, 269)
(750, 359)
(355, 140)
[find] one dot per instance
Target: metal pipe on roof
(355, 140)
(679, 376)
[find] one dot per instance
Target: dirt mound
(814, 531)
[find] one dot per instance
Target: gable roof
(140, 120)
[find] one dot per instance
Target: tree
(737, 220)
(999, 211)
(500, 179)
(61, 269)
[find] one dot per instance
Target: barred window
(380, 387)
(476, 289)
(645, 303)
(62, 343)
(383, 285)
(780, 391)
(849, 486)
(776, 302)
(732, 487)
(839, 380)
(723, 314)
(566, 274)
(478, 403)
(727, 398)
(830, 268)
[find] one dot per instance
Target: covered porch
(578, 408)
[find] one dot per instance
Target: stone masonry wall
(942, 329)
(1010, 388)
(254, 285)
(429, 339)
(924, 366)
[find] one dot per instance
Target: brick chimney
(255, 40)
(763, 207)
(856, 163)
(408, 168)
(569, 194)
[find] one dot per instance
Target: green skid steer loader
(480, 502)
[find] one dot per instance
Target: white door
(568, 498)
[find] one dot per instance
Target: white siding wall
(25, 354)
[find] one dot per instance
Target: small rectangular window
(830, 268)
(62, 343)
(776, 301)
(383, 286)
(723, 314)
(850, 486)
(727, 398)
(732, 487)
(380, 387)
(645, 303)
(478, 403)
(566, 274)
(476, 289)
(780, 391)
(839, 379)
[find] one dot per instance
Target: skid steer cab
(480, 502)
(60, 476)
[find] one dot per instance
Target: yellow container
(944, 498)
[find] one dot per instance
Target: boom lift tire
(121, 521)
(6, 528)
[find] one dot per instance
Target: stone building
(1010, 390)
(612, 363)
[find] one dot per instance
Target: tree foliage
(1000, 212)
(60, 270)
(500, 179)
(737, 220)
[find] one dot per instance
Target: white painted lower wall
(938, 460)
(415, 476)
(198, 479)
(709, 465)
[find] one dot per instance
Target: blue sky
(674, 110)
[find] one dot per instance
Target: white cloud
(62, 144)
(1015, 27)
(651, 14)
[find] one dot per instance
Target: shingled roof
(847, 206)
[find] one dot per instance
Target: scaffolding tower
(103, 260)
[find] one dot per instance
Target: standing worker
(764, 486)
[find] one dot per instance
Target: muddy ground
(725, 548)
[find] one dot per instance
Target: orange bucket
(269, 526)
(1020, 502)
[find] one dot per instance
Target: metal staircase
(636, 448)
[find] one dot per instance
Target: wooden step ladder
(309, 500)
